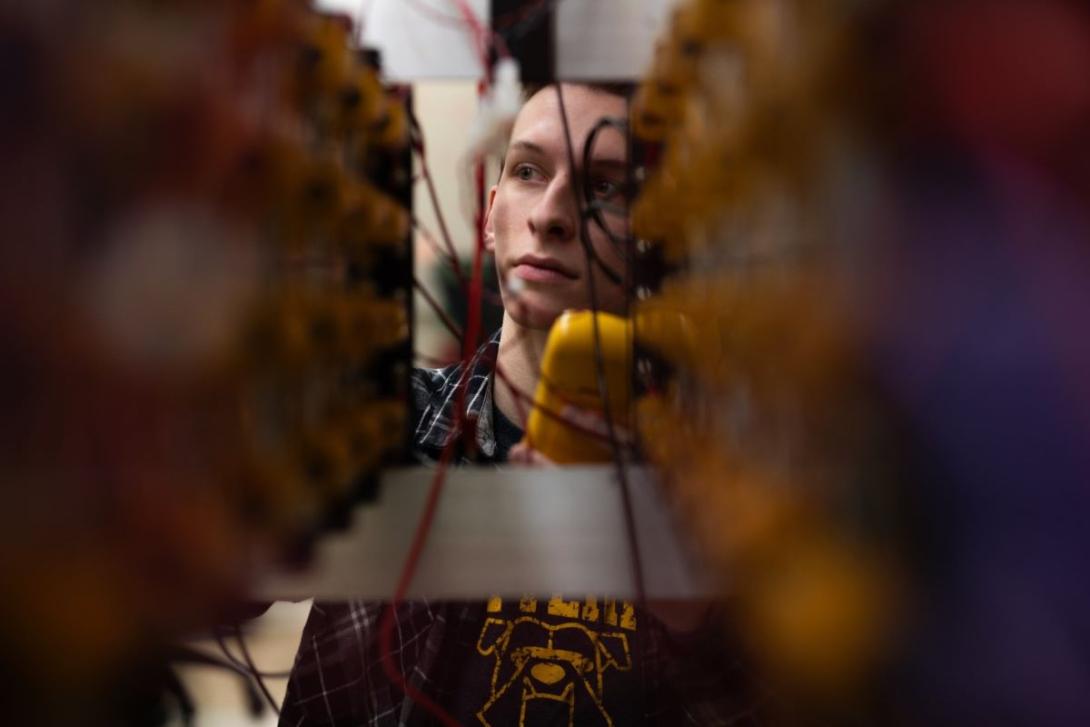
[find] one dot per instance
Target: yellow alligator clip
(567, 423)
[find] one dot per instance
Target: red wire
(518, 14)
(420, 537)
(523, 398)
(416, 549)
(386, 626)
(441, 254)
(504, 21)
(421, 150)
(435, 15)
(481, 34)
(472, 333)
(443, 317)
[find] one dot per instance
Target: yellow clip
(567, 423)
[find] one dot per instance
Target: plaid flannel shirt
(338, 679)
(435, 395)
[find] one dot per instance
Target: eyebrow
(610, 162)
(527, 146)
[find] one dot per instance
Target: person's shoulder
(429, 383)
(432, 416)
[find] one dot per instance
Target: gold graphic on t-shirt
(538, 663)
(565, 609)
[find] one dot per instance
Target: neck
(519, 358)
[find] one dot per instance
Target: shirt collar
(478, 400)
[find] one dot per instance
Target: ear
(489, 230)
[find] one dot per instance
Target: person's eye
(526, 173)
(604, 188)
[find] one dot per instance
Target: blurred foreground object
(204, 325)
(874, 218)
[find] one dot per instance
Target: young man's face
(533, 219)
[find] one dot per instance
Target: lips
(538, 269)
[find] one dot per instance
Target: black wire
(599, 363)
(192, 656)
(524, 26)
(430, 241)
(595, 207)
(503, 25)
(582, 192)
(445, 319)
(598, 205)
(417, 139)
(174, 685)
(242, 665)
(254, 671)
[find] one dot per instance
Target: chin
(535, 314)
(541, 321)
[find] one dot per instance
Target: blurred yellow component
(302, 194)
(759, 429)
(393, 131)
(704, 306)
(301, 330)
(360, 101)
(86, 614)
(264, 180)
(279, 335)
(570, 387)
(661, 429)
(674, 69)
(322, 189)
(374, 324)
(668, 333)
(247, 126)
(817, 609)
(648, 126)
(325, 57)
(351, 327)
(353, 440)
(654, 415)
(783, 333)
(277, 498)
(655, 111)
(259, 24)
(371, 218)
(657, 216)
(820, 614)
(748, 511)
(722, 180)
(375, 429)
(325, 462)
(701, 22)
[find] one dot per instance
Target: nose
(554, 216)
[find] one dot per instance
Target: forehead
(539, 121)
